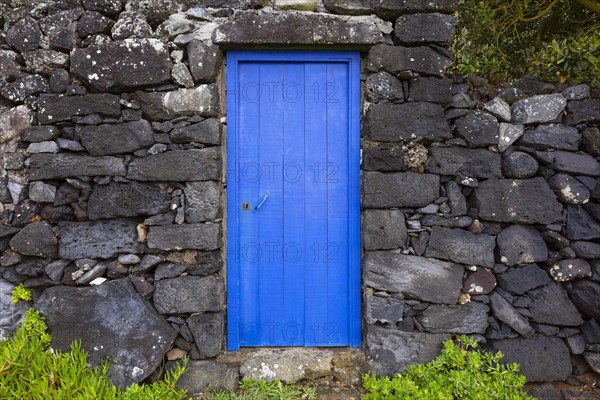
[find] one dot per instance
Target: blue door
(293, 251)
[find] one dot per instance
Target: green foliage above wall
(552, 40)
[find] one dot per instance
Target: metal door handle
(259, 205)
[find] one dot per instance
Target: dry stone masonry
(480, 203)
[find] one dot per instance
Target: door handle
(259, 205)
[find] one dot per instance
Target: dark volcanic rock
(389, 9)
(523, 279)
(36, 239)
(481, 281)
(39, 133)
(575, 163)
(112, 321)
(394, 122)
(189, 294)
(456, 199)
(526, 201)
(208, 330)
(383, 86)
(464, 319)
(207, 262)
(117, 200)
(53, 166)
(99, 239)
(519, 165)
(106, 7)
(562, 137)
(580, 225)
(414, 277)
(422, 28)
(160, 106)
(122, 65)
(92, 22)
(459, 161)
(203, 201)
(402, 189)
(178, 165)
(393, 351)
(541, 108)
(204, 61)
(588, 250)
(583, 111)
(24, 87)
(396, 59)
(44, 61)
(506, 313)
(289, 28)
(61, 29)
(567, 270)
(521, 244)
(185, 236)
(117, 138)
(25, 35)
(387, 310)
(542, 359)
(384, 157)
(461, 246)
(208, 375)
(568, 189)
(9, 67)
(552, 306)
(207, 132)
(54, 109)
(435, 90)
(383, 229)
(585, 295)
(591, 141)
(478, 128)
(545, 392)
(131, 24)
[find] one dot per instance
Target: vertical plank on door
(316, 286)
(293, 204)
(336, 99)
(270, 215)
(248, 173)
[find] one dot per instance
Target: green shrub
(20, 292)
(31, 370)
(461, 371)
(552, 40)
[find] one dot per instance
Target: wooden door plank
(248, 173)
(270, 216)
(293, 204)
(336, 102)
(315, 189)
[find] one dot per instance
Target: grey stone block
(189, 294)
(414, 277)
(185, 236)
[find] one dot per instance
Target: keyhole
(245, 206)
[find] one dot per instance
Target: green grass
(260, 390)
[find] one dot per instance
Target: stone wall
(480, 203)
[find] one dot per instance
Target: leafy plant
(461, 371)
(554, 40)
(30, 369)
(20, 292)
(261, 390)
